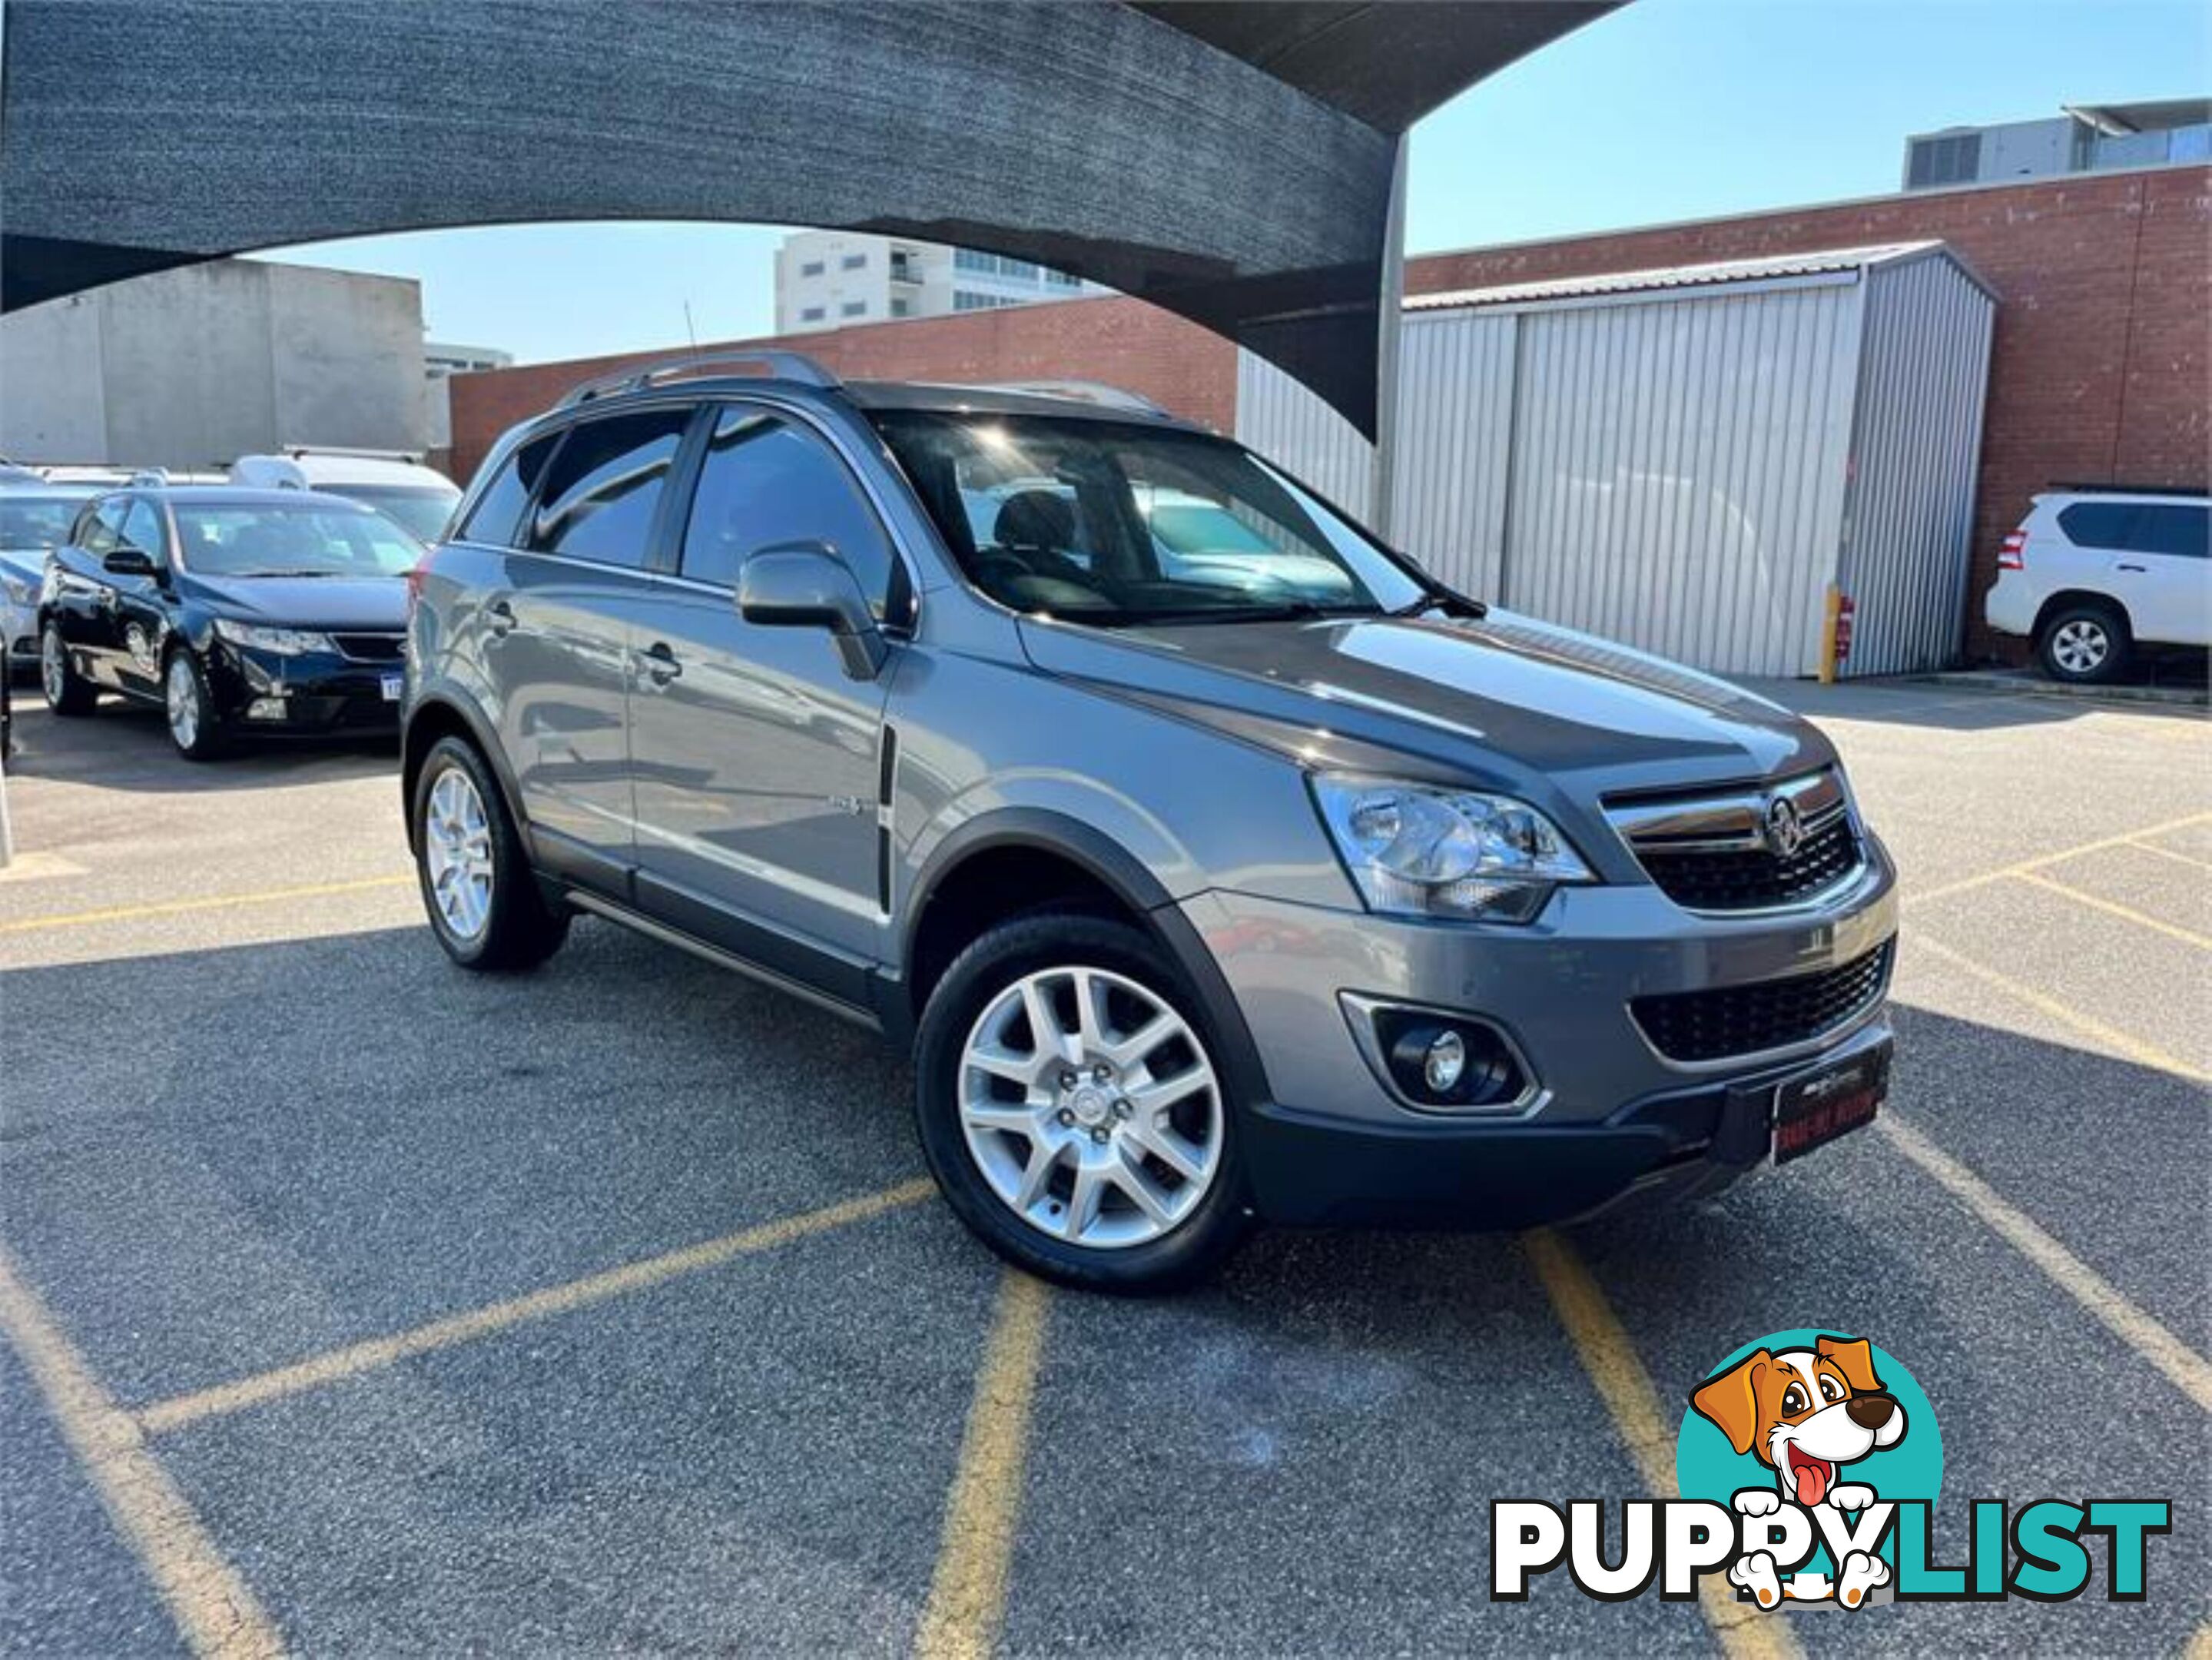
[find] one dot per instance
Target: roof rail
(2075, 488)
(779, 366)
(1085, 392)
(294, 452)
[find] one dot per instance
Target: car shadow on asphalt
(125, 747)
(1937, 704)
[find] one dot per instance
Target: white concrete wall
(51, 408)
(190, 367)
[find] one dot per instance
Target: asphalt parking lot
(358, 1305)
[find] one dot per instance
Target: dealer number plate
(1815, 1109)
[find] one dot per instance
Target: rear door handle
(2138, 569)
(659, 663)
(499, 616)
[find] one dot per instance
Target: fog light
(1437, 1060)
(1444, 1062)
(266, 708)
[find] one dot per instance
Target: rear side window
(497, 517)
(2175, 529)
(2137, 527)
(603, 487)
(2096, 524)
(766, 480)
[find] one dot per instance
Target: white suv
(2088, 576)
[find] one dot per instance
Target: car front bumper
(311, 693)
(1605, 1113)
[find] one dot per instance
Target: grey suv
(1213, 860)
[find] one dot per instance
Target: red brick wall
(1122, 343)
(2099, 370)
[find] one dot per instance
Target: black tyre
(67, 692)
(483, 899)
(2086, 644)
(194, 725)
(1100, 1150)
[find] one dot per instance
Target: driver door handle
(658, 662)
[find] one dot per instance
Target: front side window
(103, 526)
(1112, 523)
(142, 529)
(766, 480)
(603, 487)
(245, 539)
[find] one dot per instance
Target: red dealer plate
(1818, 1106)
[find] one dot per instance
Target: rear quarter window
(2096, 524)
(498, 516)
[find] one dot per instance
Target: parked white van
(2092, 575)
(398, 485)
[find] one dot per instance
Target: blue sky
(1667, 109)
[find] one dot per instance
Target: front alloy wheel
(192, 726)
(1074, 1106)
(1090, 1107)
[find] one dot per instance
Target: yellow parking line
(329, 1368)
(2183, 1367)
(217, 901)
(1745, 1633)
(1967, 885)
(2200, 1646)
(215, 1610)
(2111, 1037)
(2178, 859)
(2125, 912)
(968, 1592)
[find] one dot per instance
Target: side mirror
(804, 585)
(129, 561)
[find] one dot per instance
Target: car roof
(951, 398)
(46, 489)
(2169, 498)
(1078, 402)
(242, 495)
(336, 469)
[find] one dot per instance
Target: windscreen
(1104, 522)
(421, 512)
(36, 522)
(231, 539)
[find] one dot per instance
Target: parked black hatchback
(237, 611)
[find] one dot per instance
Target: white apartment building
(829, 279)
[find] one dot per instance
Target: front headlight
(284, 642)
(1424, 851)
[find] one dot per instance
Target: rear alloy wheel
(2085, 644)
(478, 887)
(1071, 1108)
(194, 726)
(67, 693)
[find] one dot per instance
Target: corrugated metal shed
(1684, 459)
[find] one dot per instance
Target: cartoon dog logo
(1805, 1414)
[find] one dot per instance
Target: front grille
(1755, 879)
(1767, 1014)
(371, 647)
(1721, 852)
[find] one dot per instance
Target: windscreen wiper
(1442, 598)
